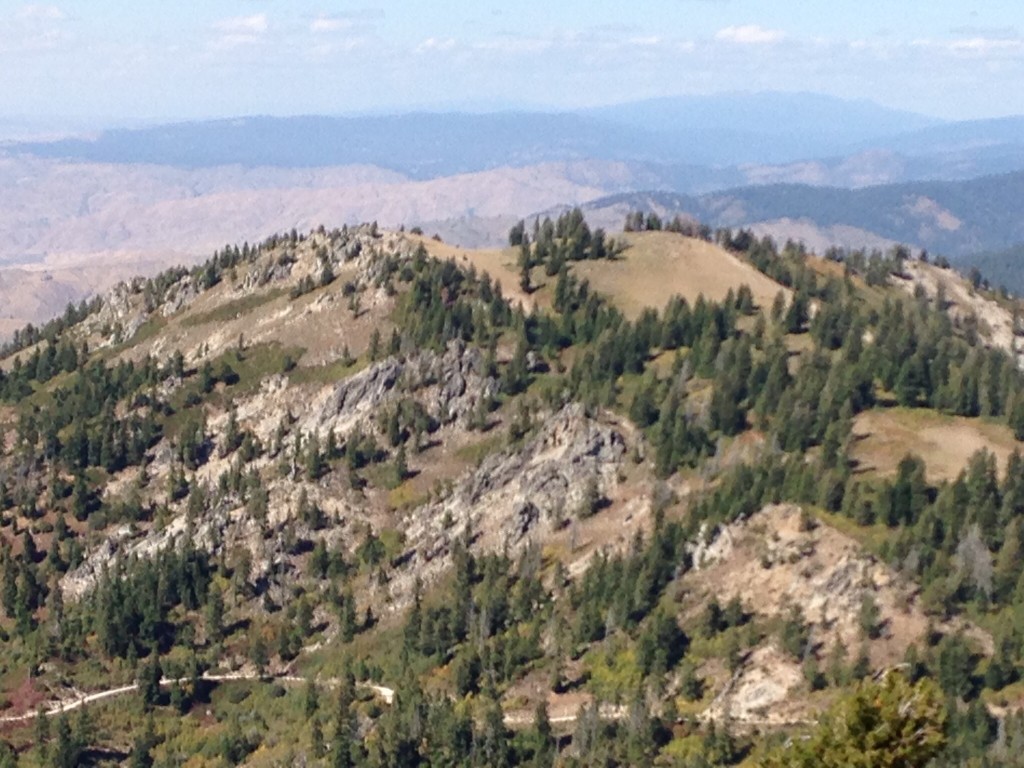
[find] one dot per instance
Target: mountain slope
(710, 130)
(726, 129)
(950, 218)
(422, 145)
(556, 526)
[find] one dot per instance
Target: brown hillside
(658, 265)
(946, 443)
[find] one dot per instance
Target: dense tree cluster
(638, 221)
(557, 243)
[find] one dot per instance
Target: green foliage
(868, 617)
(566, 239)
(890, 723)
(794, 635)
(80, 419)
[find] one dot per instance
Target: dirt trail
(387, 695)
(57, 707)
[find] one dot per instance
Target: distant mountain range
(805, 166)
(743, 128)
(959, 219)
(718, 131)
(696, 144)
(951, 217)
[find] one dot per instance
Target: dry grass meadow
(946, 443)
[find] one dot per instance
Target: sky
(113, 62)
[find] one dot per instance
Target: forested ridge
(181, 498)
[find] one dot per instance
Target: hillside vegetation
(357, 498)
(955, 219)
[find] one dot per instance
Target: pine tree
(374, 348)
(492, 737)
(142, 749)
(885, 723)
(67, 750)
(401, 467)
(149, 682)
(316, 738)
(315, 464)
(348, 616)
(794, 635)
(311, 700)
(258, 653)
(215, 616)
(232, 434)
(542, 738)
(868, 617)
(1016, 418)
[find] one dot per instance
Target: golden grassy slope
(654, 267)
(658, 265)
(946, 443)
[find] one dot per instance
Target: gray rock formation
(516, 495)
(449, 385)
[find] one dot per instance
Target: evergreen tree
(68, 749)
(149, 682)
(886, 723)
(142, 756)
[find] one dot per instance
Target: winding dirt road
(53, 708)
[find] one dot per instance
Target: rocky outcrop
(357, 397)
(996, 324)
(262, 274)
(758, 693)
(180, 296)
(119, 316)
(517, 495)
(450, 385)
(126, 543)
(781, 557)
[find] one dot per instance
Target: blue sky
(108, 61)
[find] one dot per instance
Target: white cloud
(986, 45)
(240, 30)
(436, 44)
(649, 41)
(334, 47)
(323, 23)
(514, 45)
(749, 34)
(978, 47)
(241, 25)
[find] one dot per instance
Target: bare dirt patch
(946, 443)
(773, 561)
(780, 559)
(995, 322)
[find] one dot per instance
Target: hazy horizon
(151, 63)
(113, 122)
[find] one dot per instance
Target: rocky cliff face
(450, 385)
(519, 495)
(782, 559)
